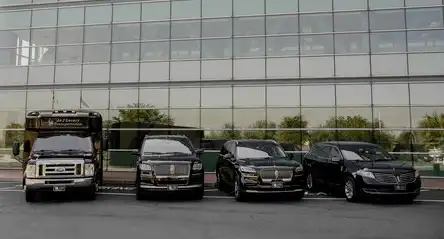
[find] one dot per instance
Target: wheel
(351, 194)
(238, 194)
(91, 193)
(139, 192)
(198, 194)
(30, 196)
(298, 196)
(311, 186)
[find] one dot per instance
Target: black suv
(169, 163)
(359, 169)
(248, 167)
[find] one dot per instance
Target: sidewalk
(127, 178)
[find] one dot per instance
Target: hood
(268, 162)
(386, 166)
(47, 159)
(184, 158)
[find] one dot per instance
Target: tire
(139, 193)
(198, 194)
(30, 196)
(238, 194)
(310, 183)
(350, 191)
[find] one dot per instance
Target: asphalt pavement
(118, 215)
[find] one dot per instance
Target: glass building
(221, 65)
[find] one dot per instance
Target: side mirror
(336, 159)
(228, 156)
(16, 149)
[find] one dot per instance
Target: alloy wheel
(309, 181)
(349, 189)
(236, 189)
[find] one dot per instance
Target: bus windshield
(62, 143)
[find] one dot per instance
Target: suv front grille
(172, 170)
(392, 179)
(59, 170)
(270, 174)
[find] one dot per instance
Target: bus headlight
(30, 170)
(197, 166)
(89, 170)
(145, 167)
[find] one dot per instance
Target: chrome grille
(269, 174)
(59, 170)
(391, 178)
(172, 169)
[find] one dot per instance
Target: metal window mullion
(55, 57)
(29, 63)
(169, 58)
(232, 66)
(110, 69)
(266, 65)
(300, 70)
(334, 68)
(200, 64)
(83, 52)
(371, 72)
(140, 54)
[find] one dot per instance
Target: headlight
(416, 173)
(365, 173)
(299, 169)
(245, 169)
(197, 166)
(145, 167)
(89, 170)
(30, 170)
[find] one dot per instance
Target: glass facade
(348, 67)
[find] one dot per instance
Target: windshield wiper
(153, 153)
(44, 151)
(75, 151)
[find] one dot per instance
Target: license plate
(172, 187)
(58, 188)
(277, 185)
(400, 187)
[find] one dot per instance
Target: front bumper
(295, 185)
(374, 188)
(35, 184)
(148, 182)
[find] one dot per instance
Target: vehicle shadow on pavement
(48, 198)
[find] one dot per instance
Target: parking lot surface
(118, 215)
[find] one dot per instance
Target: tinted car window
(63, 142)
(334, 152)
(165, 146)
(259, 150)
(320, 151)
(365, 152)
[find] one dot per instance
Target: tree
(261, 134)
(294, 137)
(432, 138)
(13, 135)
(227, 133)
(382, 138)
(143, 113)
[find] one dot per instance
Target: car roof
(253, 140)
(347, 143)
(165, 136)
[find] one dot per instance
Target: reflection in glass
(283, 46)
(356, 113)
(386, 4)
(317, 67)
(155, 31)
(13, 117)
(388, 42)
(351, 43)
(281, 6)
(96, 53)
(380, 63)
(95, 99)
(411, 3)
(249, 26)
(66, 99)
(217, 28)
(249, 47)
(420, 41)
(44, 18)
(40, 99)
(19, 101)
(185, 29)
(43, 36)
(317, 95)
(126, 32)
(424, 18)
(387, 20)
(185, 71)
(248, 7)
(349, 4)
(13, 75)
(125, 72)
(317, 117)
(249, 69)
(315, 6)
(348, 22)
(393, 117)
(185, 49)
(316, 44)
(96, 73)
(426, 94)
(40, 75)
(186, 117)
(17, 19)
(101, 33)
(352, 66)
(69, 35)
(155, 11)
(126, 13)
(390, 94)
(316, 23)
(155, 51)
(71, 16)
(419, 113)
(216, 70)
(217, 8)
(185, 9)
(282, 24)
(426, 64)
(279, 68)
(186, 97)
(154, 71)
(68, 74)
(98, 14)
(215, 118)
(69, 54)
(353, 95)
(249, 96)
(216, 48)
(216, 97)
(125, 52)
(155, 97)
(245, 118)
(123, 97)
(42, 55)
(283, 96)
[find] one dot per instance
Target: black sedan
(252, 167)
(360, 169)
